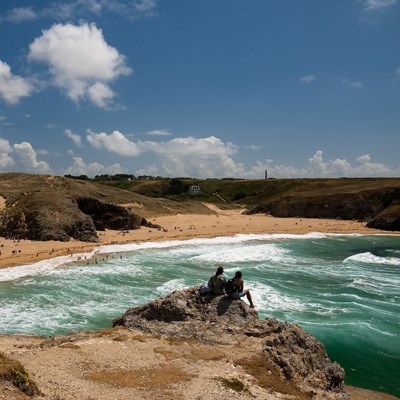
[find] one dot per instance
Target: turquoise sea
(344, 289)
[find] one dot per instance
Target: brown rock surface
(294, 356)
(181, 347)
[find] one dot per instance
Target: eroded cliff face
(287, 352)
(379, 207)
(39, 216)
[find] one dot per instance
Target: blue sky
(210, 88)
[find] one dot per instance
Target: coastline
(180, 227)
(102, 347)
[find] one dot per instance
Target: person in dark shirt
(217, 282)
(239, 291)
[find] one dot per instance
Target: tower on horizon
(266, 174)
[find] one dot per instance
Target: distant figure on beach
(234, 288)
(217, 282)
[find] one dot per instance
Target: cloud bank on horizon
(98, 87)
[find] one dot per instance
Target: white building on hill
(194, 189)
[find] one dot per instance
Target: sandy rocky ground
(122, 364)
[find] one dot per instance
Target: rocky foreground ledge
(287, 356)
(180, 347)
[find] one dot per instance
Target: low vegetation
(13, 371)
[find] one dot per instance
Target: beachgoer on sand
(217, 282)
(234, 288)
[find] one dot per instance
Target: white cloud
(210, 157)
(77, 9)
(6, 160)
(317, 167)
(145, 7)
(100, 94)
(356, 85)
(5, 146)
(28, 157)
(79, 167)
(19, 14)
(188, 156)
(205, 157)
(158, 132)
(349, 83)
(13, 87)
(375, 5)
(308, 79)
(116, 143)
(80, 61)
(151, 170)
(365, 158)
(74, 137)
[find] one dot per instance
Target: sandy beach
(179, 227)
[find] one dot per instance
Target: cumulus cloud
(318, 167)
(74, 137)
(375, 5)
(188, 156)
(13, 87)
(210, 157)
(80, 61)
(79, 167)
(28, 157)
(116, 142)
(308, 79)
(6, 160)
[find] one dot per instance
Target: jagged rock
(187, 314)
(302, 359)
(296, 355)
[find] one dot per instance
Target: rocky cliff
(379, 206)
(42, 207)
(283, 351)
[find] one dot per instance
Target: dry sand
(178, 227)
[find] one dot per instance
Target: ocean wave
(369, 258)
(14, 273)
(264, 252)
(170, 286)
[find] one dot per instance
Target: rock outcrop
(61, 218)
(388, 219)
(294, 355)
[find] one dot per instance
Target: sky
(200, 88)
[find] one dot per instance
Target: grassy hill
(376, 200)
(43, 207)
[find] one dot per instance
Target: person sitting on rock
(217, 282)
(235, 291)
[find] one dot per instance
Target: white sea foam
(268, 299)
(170, 286)
(369, 258)
(14, 273)
(263, 252)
